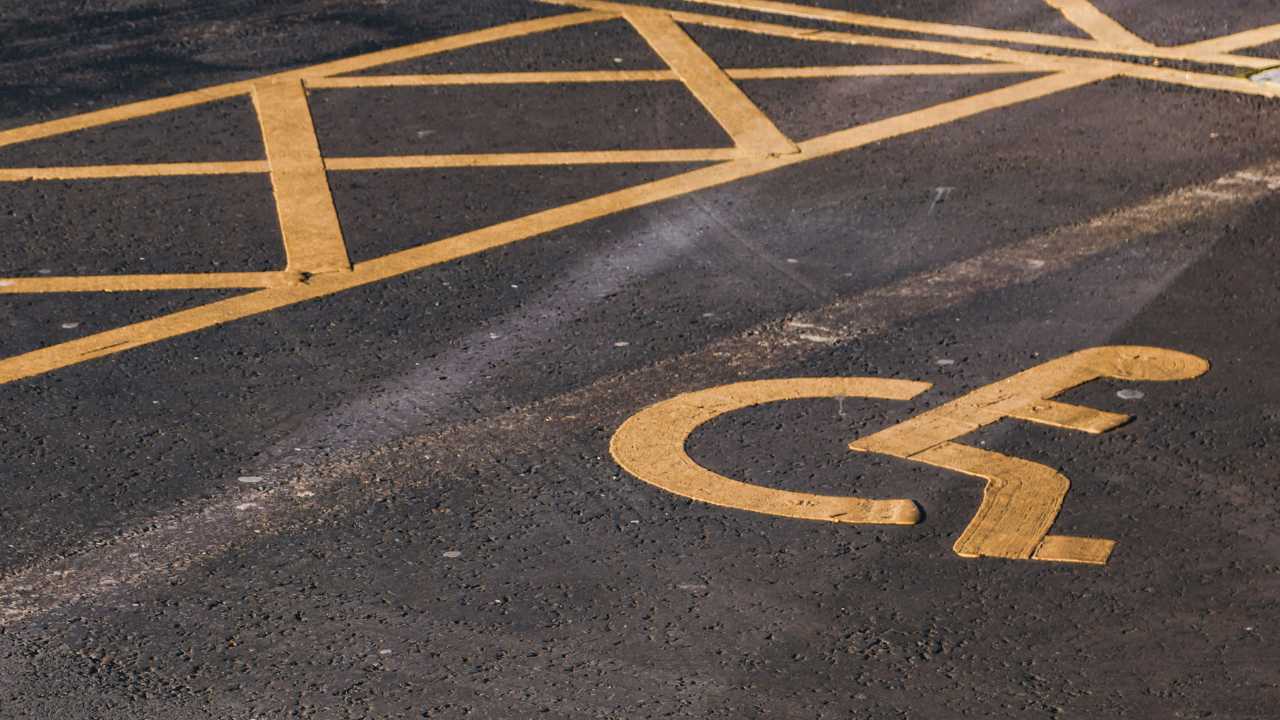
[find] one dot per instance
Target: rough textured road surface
(395, 498)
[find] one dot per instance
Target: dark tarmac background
(470, 550)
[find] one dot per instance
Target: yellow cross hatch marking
(318, 263)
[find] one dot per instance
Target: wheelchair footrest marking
(1065, 548)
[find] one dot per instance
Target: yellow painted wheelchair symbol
(1021, 499)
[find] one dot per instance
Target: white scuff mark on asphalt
(1269, 77)
(70, 325)
(1128, 394)
(944, 361)
(1245, 177)
(451, 554)
(173, 542)
(621, 343)
(1214, 194)
(800, 325)
(940, 195)
(249, 479)
(814, 333)
(691, 586)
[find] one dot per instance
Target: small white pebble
(304, 494)
(45, 271)
(247, 506)
(621, 343)
(946, 361)
(1128, 394)
(1035, 263)
(792, 261)
(70, 325)
(451, 554)
(384, 651)
(250, 479)
(494, 336)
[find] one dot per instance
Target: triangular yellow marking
(805, 108)
(227, 130)
(608, 45)
(740, 48)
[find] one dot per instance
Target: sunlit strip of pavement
(99, 572)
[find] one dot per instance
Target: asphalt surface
(399, 501)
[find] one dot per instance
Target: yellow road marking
(1019, 503)
(1070, 417)
(313, 238)
(946, 112)
(1236, 41)
(1099, 25)
(92, 172)
(308, 220)
(1064, 548)
(154, 330)
(614, 76)
(122, 283)
(1021, 499)
(144, 108)
(745, 123)
(835, 71)
(650, 445)
(538, 158)
(1029, 60)
(1208, 55)
(119, 113)
(494, 78)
